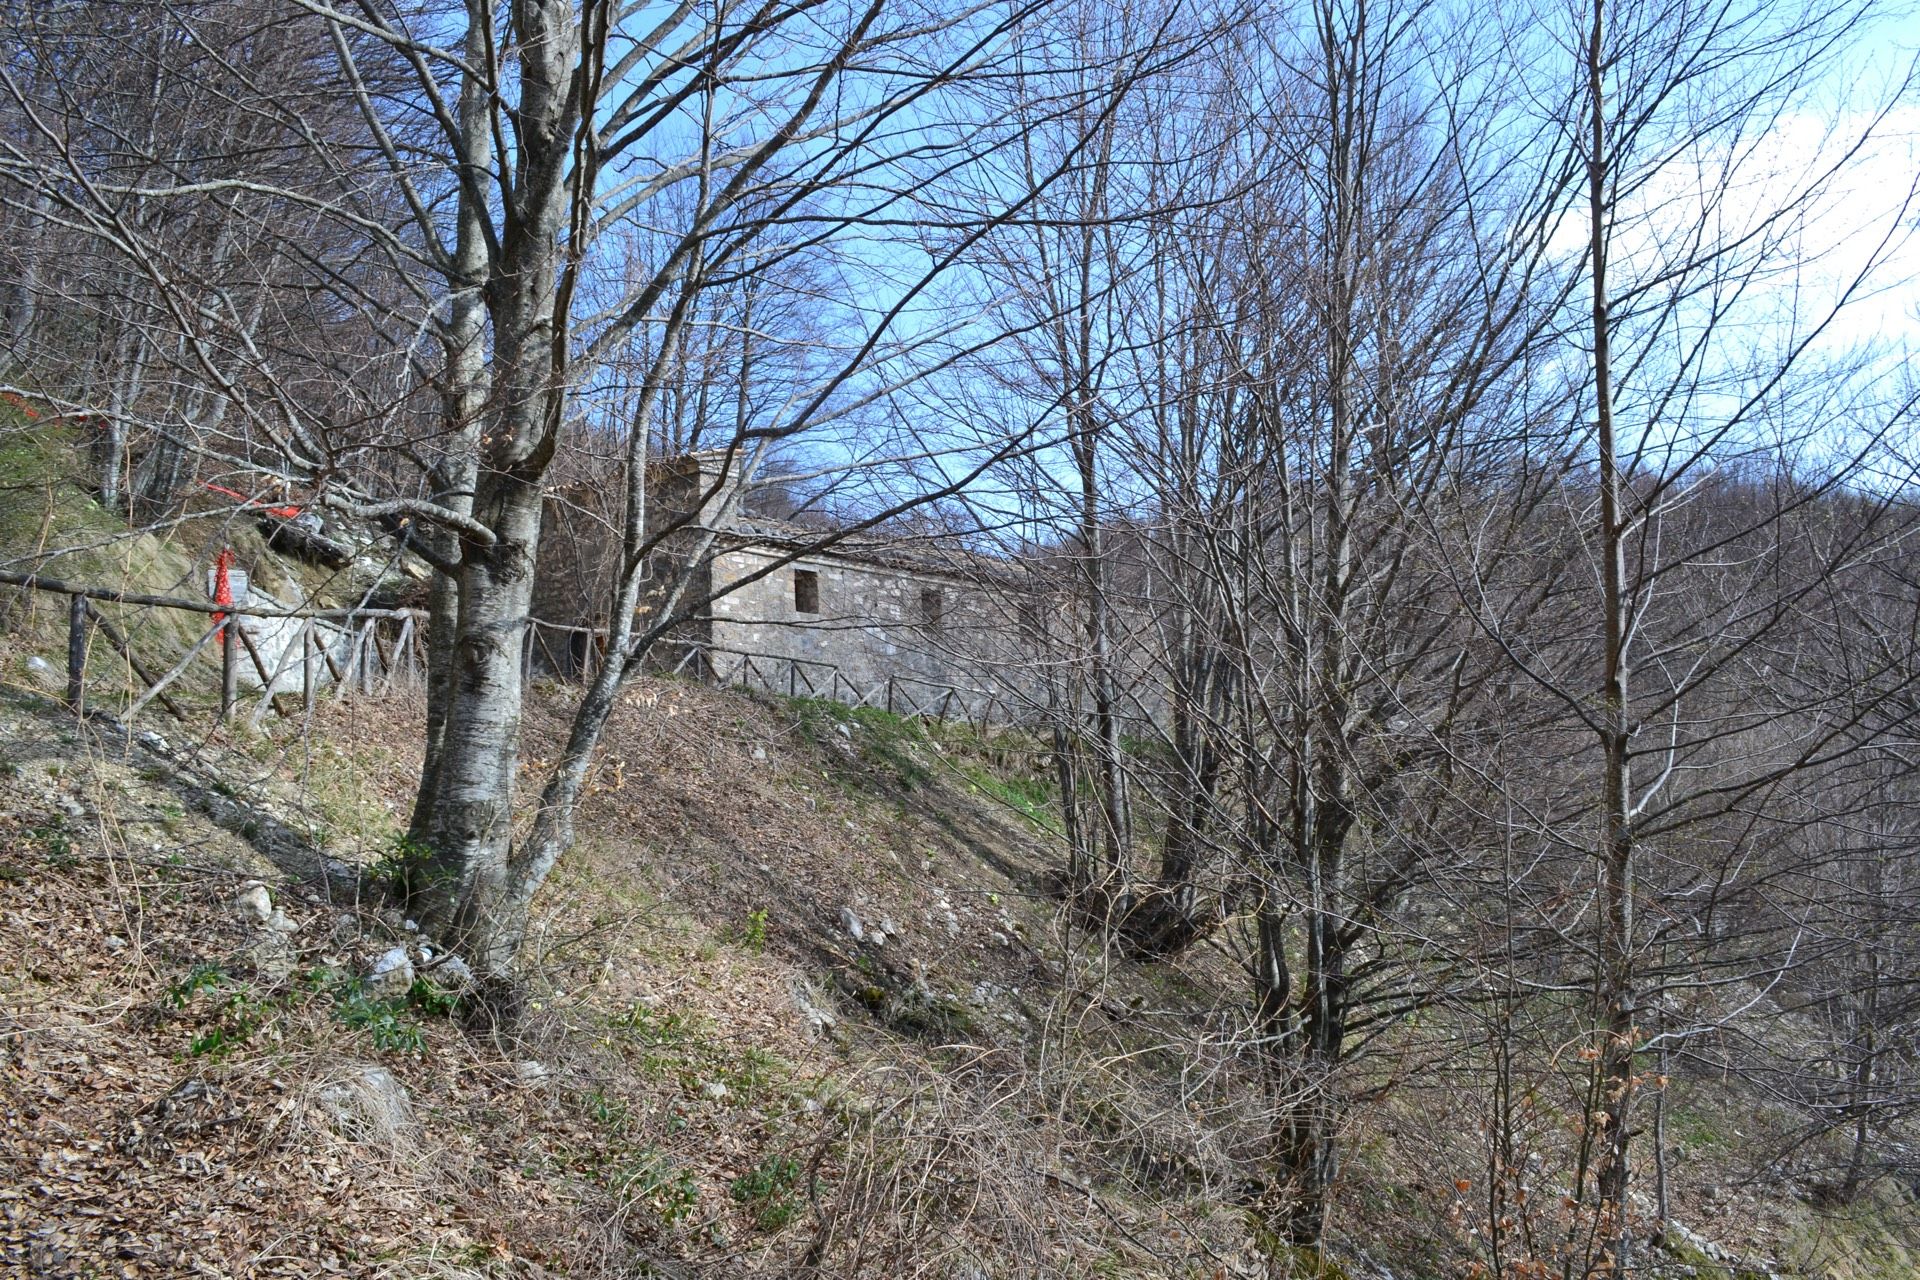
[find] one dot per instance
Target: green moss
(49, 516)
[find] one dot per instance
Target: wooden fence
(343, 648)
(578, 653)
(347, 650)
(812, 678)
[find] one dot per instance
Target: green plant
(431, 1000)
(651, 1026)
(53, 837)
(756, 1069)
(768, 1191)
(1032, 798)
(753, 934)
(235, 1019)
(202, 977)
(383, 1019)
(611, 1113)
(407, 868)
(656, 1180)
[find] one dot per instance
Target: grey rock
(254, 903)
(532, 1071)
(391, 975)
(850, 924)
(820, 1020)
(273, 957)
(451, 972)
(365, 1103)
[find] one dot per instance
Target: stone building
(888, 622)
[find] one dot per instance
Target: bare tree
(1674, 118)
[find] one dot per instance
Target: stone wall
(927, 632)
(874, 625)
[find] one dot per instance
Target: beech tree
(712, 125)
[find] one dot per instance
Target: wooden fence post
(402, 655)
(229, 666)
(77, 654)
(306, 668)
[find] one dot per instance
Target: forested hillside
(1435, 495)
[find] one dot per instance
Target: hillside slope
(716, 1077)
(802, 1003)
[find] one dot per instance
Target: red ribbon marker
(284, 513)
(222, 587)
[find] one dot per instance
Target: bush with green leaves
(769, 1192)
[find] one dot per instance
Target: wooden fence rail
(372, 665)
(369, 665)
(813, 678)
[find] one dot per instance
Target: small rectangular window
(932, 607)
(806, 591)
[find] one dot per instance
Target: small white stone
(281, 922)
(115, 942)
(254, 903)
(392, 973)
(713, 1090)
(411, 926)
(759, 753)
(531, 1071)
(850, 923)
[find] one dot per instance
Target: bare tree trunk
(1861, 1103)
(1614, 978)
(462, 400)
(469, 827)
(471, 898)
(24, 305)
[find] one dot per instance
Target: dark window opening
(806, 591)
(932, 607)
